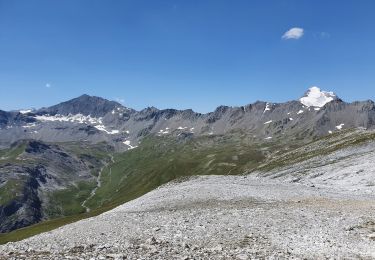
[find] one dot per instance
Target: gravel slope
(351, 169)
(218, 217)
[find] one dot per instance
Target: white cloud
(48, 85)
(120, 100)
(293, 33)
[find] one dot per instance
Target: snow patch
(163, 132)
(25, 111)
(300, 112)
(29, 125)
(102, 128)
(267, 108)
(339, 127)
(127, 142)
(77, 118)
(268, 122)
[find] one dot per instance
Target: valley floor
(218, 217)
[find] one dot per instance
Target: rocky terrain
(218, 217)
(308, 161)
(38, 181)
(313, 202)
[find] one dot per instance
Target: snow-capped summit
(315, 97)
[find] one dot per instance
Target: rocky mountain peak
(85, 105)
(315, 97)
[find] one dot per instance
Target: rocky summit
(92, 179)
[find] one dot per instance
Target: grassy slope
(69, 201)
(161, 159)
(156, 161)
(64, 202)
(322, 146)
(9, 191)
(12, 187)
(11, 154)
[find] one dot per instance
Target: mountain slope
(41, 181)
(208, 217)
(340, 161)
(163, 159)
(70, 171)
(85, 105)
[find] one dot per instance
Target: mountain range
(87, 155)
(94, 119)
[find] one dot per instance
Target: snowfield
(317, 98)
(218, 217)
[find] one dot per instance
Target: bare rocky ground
(218, 217)
(351, 169)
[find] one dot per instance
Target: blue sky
(184, 53)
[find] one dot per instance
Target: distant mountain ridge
(95, 119)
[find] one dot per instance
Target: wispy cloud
(48, 85)
(120, 100)
(324, 35)
(293, 33)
